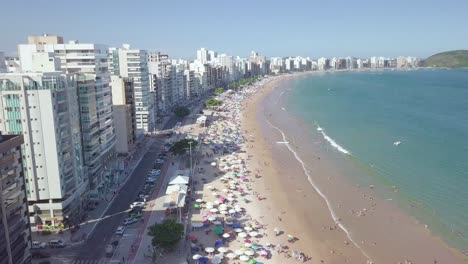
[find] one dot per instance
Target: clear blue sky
(272, 28)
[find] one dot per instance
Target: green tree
(180, 147)
(219, 90)
(167, 234)
(181, 111)
(212, 102)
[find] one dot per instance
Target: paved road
(94, 247)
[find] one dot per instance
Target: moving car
(120, 230)
(129, 221)
(38, 245)
(137, 204)
(57, 243)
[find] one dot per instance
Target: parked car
(159, 161)
(129, 221)
(151, 180)
(137, 204)
(120, 230)
(57, 243)
(39, 255)
(38, 245)
(135, 214)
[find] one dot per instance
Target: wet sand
(377, 229)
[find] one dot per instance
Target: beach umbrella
(192, 238)
(232, 211)
(209, 205)
(218, 230)
(214, 193)
(223, 212)
(252, 261)
(225, 190)
(211, 218)
(249, 252)
(203, 260)
(263, 253)
(222, 250)
(236, 225)
(230, 199)
(209, 250)
(248, 228)
(253, 234)
(238, 210)
(226, 235)
(213, 210)
(228, 222)
(199, 200)
(209, 187)
(218, 243)
(231, 255)
(213, 164)
(247, 244)
(230, 195)
(217, 222)
(244, 258)
(239, 252)
(254, 247)
(196, 256)
(196, 206)
(242, 234)
(238, 230)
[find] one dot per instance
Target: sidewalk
(87, 227)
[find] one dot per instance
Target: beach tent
(179, 179)
(181, 188)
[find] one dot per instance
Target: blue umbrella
(236, 225)
(218, 243)
(203, 260)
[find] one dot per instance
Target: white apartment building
(3, 67)
(203, 55)
(323, 63)
(133, 63)
(44, 108)
(90, 63)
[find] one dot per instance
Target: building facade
(15, 234)
(44, 108)
(124, 114)
(133, 63)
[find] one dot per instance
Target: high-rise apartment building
(133, 63)
(3, 67)
(15, 234)
(90, 63)
(44, 108)
(124, 113)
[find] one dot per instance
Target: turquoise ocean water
(364, 113)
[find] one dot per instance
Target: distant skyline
(272, 28)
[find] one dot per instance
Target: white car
(137, 204)
(38, 245)
(159, 161)
(143, 196)
(129, 221)
(151, 179)
(120, 230)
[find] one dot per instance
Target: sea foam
(333, 142)
(311, 181)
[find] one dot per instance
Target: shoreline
(254, 124)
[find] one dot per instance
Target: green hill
(449, 59)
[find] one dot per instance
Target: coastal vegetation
(166, 235)
(219, 90)
(181, 147)
(212, 102)
(448, 59)
(242, 82)
(181, 111)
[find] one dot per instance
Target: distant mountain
(449, 59)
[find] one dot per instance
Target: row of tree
(242, 82)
